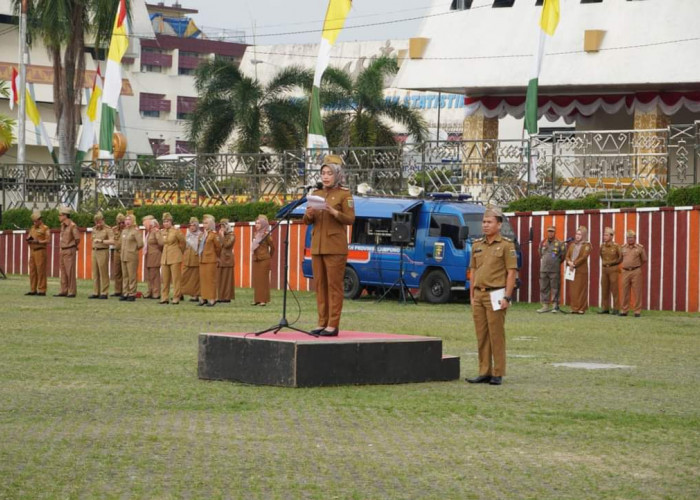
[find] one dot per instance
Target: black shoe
(201, 304)
(163, 302)
(604, 312)
(329, 333)
(622, 314)
(104, 297)
(224, 301)
(41, 294)
(211, 304)
(30, 293)
(481, 379)
(70, 296)
(123, 298)
(116, 295)
(193, 299)
(315, 331)
(615, 312)
(496, 381)
(637, 315)
(93, 296)
(60, 295)
(131, 298)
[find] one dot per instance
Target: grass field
(100, 399)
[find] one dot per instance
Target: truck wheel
(351, 284)
(436, 287)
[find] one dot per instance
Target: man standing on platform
(37, 239)
(494, 266)
(116, 255)
(552, 252)
(633, 258)
(69, 241)
(102, 237)
(610, 256)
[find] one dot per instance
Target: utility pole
(22, 112)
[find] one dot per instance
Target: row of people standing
(627, 259)
(199, 263)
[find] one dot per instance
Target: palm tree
(63, 26)
(232, 103)
(360, 116)
(6, 124)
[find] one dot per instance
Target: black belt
(488, 288)
(609, 265)
(68, 248)
(630, 268)
(96, 249)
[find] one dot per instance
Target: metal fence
(619, 164)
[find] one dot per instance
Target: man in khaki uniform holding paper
(69, 241)
(494, 266)
(37, 239)
(610, 257)
(633, 258)
(132, 242)
(102, 237)
(173, 242)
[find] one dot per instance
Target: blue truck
(435, 254)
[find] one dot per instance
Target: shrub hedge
(245, 212)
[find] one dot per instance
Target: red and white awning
(572, 107)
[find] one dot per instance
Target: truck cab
(435, 249)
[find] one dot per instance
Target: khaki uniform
(207, 266)
(190, 266)
(261, 270)
(551, 257)
(38, 239)
(116, 258)
(329, 252)
(610, 257)
(579, 287)
(225, 267)
(69, 241)
(100, 260)
(132, 242)
(152, 252)
(490, 263)
(173, 242)
(633, 258)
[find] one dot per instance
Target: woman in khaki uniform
(577, 258)
(153, 253)
(226, 264)
(329, 244)
(190, 261)
(69, 241)
(116, 256)
(263, 248)
(173, 242)
(132, 242)
(209, 251)
(37, 239)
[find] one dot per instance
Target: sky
(273, 19)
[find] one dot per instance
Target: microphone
(569, 240)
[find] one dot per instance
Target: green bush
(685, 196)
(243, 212)
(530, 204)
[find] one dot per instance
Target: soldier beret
(36, 215)
(120, 217)
(167, 216)
(631, 234)
(609, 230)
(64, 210)
(332, 160)
(551, 228)
(492, 211)
(194, 220)
(98, 217)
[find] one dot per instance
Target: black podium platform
(291, 359)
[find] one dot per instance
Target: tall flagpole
(22, 111)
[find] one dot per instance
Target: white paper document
(569, 273)
(496, 296)
(316, 202)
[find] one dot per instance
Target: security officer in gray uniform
(552, 252)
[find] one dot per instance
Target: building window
(185, 71)
(502, 3)
(150, 114)
(591, 1)
(147, 68)
(159, 147)
(461, 4)
(183, 147)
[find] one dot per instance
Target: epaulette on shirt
(506, 238)
(479, 240)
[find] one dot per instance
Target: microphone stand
(283, 323)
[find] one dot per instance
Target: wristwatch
(509, 299)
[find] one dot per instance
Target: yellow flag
(550, 16)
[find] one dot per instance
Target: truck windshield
(474, 223)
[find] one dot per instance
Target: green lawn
(100, 399)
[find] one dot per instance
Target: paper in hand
(570, 273)
(316, 202)
(496, 297)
